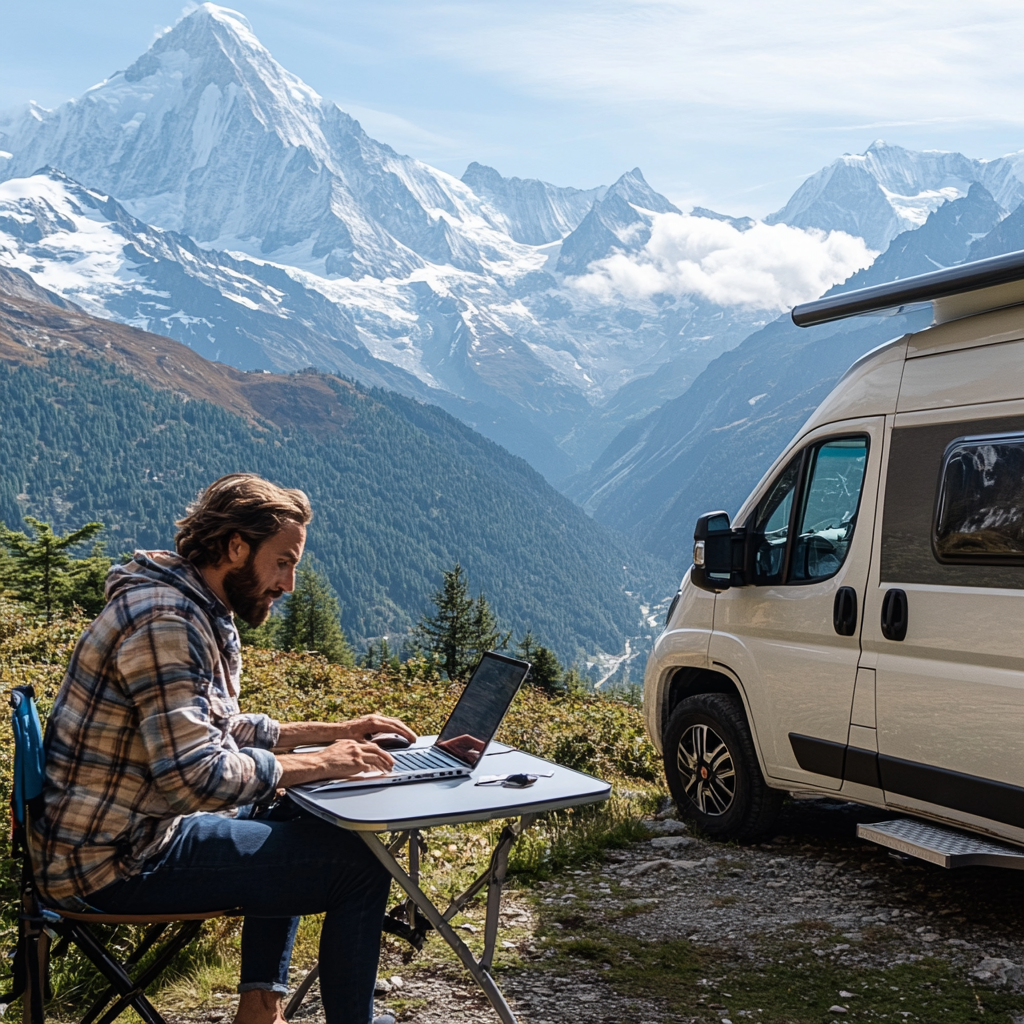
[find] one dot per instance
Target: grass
(591, 733)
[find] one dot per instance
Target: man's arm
(159, 665)
(339, 760)
(303, 734)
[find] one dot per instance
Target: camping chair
(38, 924)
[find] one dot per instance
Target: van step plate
(942, 846)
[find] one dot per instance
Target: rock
(929, 937)
(843, 994)
(647, 866)
(998, 972)
(672, 842)
(668, 827)
(688, 865)
(472, 928)
(837, 1009)
(666, 809)
(382, 987)
(396, 982)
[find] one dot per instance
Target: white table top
(454, 800)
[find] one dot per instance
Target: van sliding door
(949, 659)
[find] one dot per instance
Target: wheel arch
(690, 681)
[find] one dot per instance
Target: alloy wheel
(707, 771)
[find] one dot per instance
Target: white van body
(931, 723)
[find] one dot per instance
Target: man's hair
(241, 503)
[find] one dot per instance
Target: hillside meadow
(600, 735)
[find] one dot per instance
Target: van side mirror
(718, 553)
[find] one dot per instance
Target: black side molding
(862, 767)
(823, 757)
(997, 801)
(970, 794)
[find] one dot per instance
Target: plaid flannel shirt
(145, 729)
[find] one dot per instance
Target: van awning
(953, 292)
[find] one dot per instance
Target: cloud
(766, 267)
(881, 60)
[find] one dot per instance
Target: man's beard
(246, 594)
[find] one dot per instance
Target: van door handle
(894, 615)
(844, 611)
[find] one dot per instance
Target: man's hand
(366, 725)
(302, 734)
(341, 759)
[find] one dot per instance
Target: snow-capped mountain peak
(888, 189)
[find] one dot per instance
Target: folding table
(404, 810)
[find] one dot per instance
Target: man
(148, 761)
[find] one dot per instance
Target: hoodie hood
(166, 569)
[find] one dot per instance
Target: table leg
(480, 970)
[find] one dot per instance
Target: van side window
(810, 542)
(979, 515)
(913, 485)
(835, 475)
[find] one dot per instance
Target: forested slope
(401, 490)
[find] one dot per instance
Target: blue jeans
(274, 871)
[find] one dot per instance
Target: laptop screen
(482, 706)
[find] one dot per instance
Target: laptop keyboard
(423, 760)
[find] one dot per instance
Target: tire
(712, 769)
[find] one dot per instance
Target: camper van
(857, 629)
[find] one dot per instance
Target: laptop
(465, 736)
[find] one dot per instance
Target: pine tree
(41, 573)
(462, 630)
(486, 636)
(546, 671)
(86, 582)
(574, 683)
(264, 637)
(450, 632)
(312, 619)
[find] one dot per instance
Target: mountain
(708, 447)
(620, 221)
(532, 211)
(889, 189)
(107, 422)
(223, 202)
(456, 283)
(252, 314)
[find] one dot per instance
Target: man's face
(267, 573)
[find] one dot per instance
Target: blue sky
(726, 103)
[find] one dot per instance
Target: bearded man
(152, 771)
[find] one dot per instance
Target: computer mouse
(390, 740)
(520, 780)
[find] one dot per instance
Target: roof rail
(896, 296)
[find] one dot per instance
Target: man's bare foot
(259, 1006)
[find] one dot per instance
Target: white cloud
(766, 267)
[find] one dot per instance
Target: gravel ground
(849, 901)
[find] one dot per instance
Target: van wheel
(712, 769)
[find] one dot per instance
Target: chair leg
(152, 934)
(300, 993)
(131, 993)
(36, 951)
